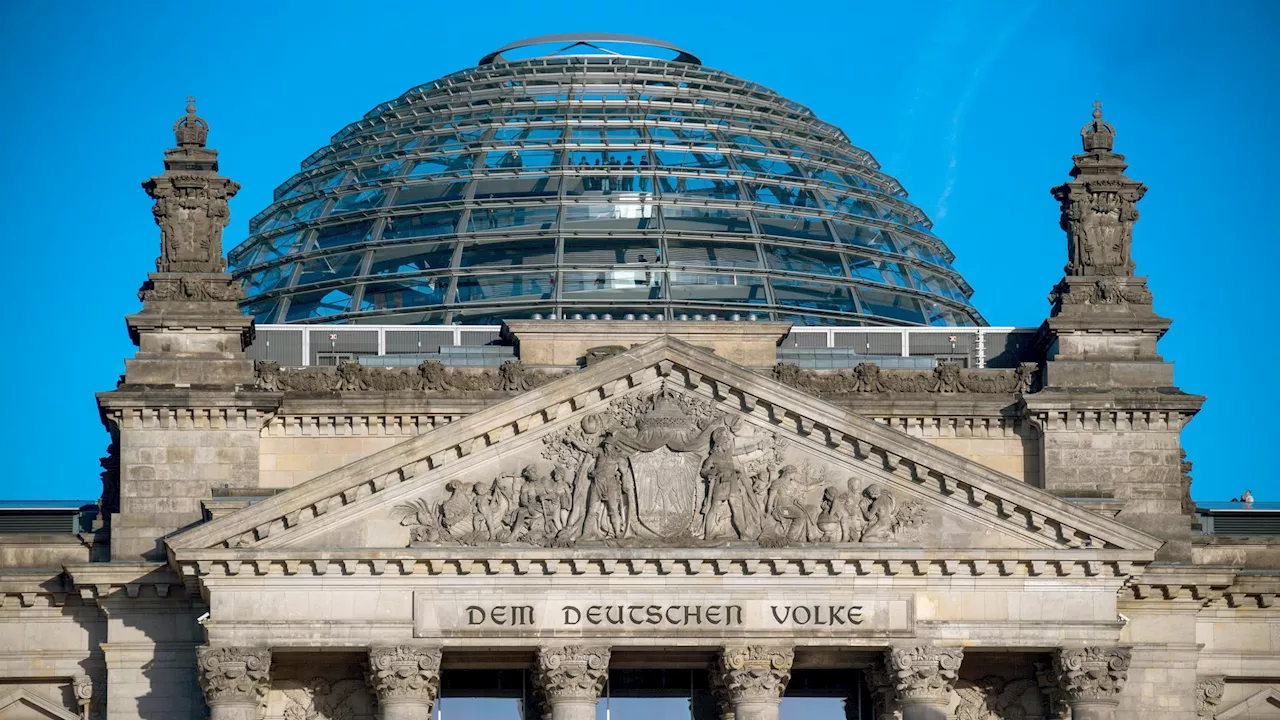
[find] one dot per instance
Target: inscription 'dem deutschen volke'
(829, 615)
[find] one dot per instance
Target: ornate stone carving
(191, 201)
(925, 673)
(405, 672)
(662, 469)
(718, 685)
(947, 378)
(1055, 701)
(1188, 505)
(321, 699)
(233, 674)
(1208, 695)
(571, 672)
(1099, 206)
(604, 352)
(1104, 291)
(82, 686)
(191, 288)
(756, 672)
(883, 689)
(993, 698)
(1091, 673)
(430, 376)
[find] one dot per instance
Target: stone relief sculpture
(947, 378)
(322, 699)
(429, 376)
(994, 698)
(661, 469)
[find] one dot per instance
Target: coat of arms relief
(662, 469)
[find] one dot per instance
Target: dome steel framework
(595, 182)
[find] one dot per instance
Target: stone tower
(1109, 411)
(185, 417)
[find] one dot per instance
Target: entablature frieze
(206, 417)
(933, 472)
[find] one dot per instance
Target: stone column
(1091, 679)
(570, 678)
(884, 694)
(923, 678)
(754, 678)
(234, 680)
(406, 680)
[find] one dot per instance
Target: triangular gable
(1268, 699)
(23, 697)
(899, 461)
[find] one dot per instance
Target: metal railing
(306, 345)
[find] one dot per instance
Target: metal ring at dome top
(589, 39)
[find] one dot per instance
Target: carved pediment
(664, 446)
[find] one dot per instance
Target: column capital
(756, 672)
(233, 675)
(405, 672)
(1092, 674)
(571, 672)
(923, 673)
(1208, 694)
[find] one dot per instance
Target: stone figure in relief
(661, 469)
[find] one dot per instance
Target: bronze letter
(572, 615)
(472, 612)
(522, 615)
(498, 615)
(781, 620)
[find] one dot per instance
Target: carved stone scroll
(406, 680)
(570, 678)
(923, 675)
(234, 680)
(754, 678)
(1091, 679)
(1209, 693)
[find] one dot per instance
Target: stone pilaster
(1091, 680)
(719, 686)
(754, 678)
(234, 680)
(1208, 695)
(1108, 411)
(570, 679)
(883, 692)
(406, 681)
(923, 679)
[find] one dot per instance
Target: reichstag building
(592, 383)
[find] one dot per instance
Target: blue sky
(974, 106)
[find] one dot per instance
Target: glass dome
(591, 182)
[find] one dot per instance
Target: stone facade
(316, 544)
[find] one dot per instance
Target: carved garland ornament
(194, 289)
(925, 672)
(233, 675)
(1092, 673)
(429, 376)
(756, 672)
(320, 699)
(405, 672)
(662, 469)
(993, 698)
(947, 379)
(571, 672)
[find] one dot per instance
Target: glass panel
(514, 160)
(359, 201)
(411, 292)
(268, 280)
(523, 133)
(890, 304)
(263, 311)
(938, 315)
(479, 288)
(413, 258)
(429, 193)
(698, 159)
(931, 282)
(614, 216)
(699, 219)
(780, 257)
(652, 694)
(538, 217)
(864, 236)
(279, 245)
(716, 287)
(598, 251)
(536, 186)
(321, 303)
(818, 296)
(878, 271)
(284, 216)
(377, 172)
(441, 164)
(629, 284)
(337, 235)
(330, 267)
(504, 254)
(796, 226)
(714, 254)
(789, 195)
(769, 166)
(421, 225)
(700, 187)
(858, 206)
